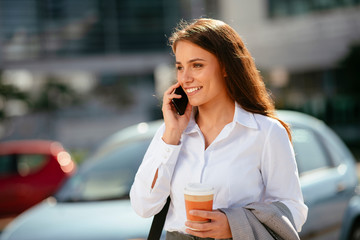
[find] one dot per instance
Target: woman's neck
(216, 114)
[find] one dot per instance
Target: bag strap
(158, 222)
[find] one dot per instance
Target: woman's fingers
(171, 89)
(200, 227)
(202, 234)
(206, 214)
(169, 95)
(218, 227)
(174, 123)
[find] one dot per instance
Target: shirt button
(167, 149)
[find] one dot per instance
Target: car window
(108, 177)
(336, 147)
(7, 165)
(30, 163)
(22, 164)
(309, 151)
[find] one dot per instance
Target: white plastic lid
(198, 189)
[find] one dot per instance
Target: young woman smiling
(229, 137)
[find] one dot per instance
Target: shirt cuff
(168, 153)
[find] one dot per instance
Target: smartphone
(180, 103)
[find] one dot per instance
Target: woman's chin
(194, 104)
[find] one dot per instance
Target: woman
(229, 137)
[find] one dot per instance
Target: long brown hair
(243, 82)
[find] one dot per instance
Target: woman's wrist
(171, 137)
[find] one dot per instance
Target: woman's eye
(197, 65)
(179, 68)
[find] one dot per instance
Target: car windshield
(107, 177)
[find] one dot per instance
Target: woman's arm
(151, 185)
(280, 174)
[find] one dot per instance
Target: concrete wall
(297, 43)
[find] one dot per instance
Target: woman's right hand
(175, 124)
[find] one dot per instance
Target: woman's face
(200, 74)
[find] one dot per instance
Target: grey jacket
(258, 221)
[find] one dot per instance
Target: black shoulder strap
(158, 222)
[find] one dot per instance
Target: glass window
(7, 165)
(281, 8)
(21, 164)
(29, 164)
(109, 176)
(300, 6)
(56, 28)
(309, 151)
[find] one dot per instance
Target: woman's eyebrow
(192, 60)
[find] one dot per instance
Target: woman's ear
(224, 72)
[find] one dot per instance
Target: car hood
(104, 220)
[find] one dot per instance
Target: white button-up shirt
(251, 160)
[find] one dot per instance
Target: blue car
(328, 176)
(94, 203)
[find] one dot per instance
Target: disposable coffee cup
(198, 196)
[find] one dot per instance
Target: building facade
(104, 51)
(301, 48)
(119, 46)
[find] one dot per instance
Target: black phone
(180, 103)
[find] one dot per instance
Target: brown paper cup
(198, 196)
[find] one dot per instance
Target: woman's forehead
(186, 50)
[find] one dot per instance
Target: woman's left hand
(218, 227)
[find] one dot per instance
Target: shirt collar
(241, 116)
(244, 117)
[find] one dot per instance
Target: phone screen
(181, 103)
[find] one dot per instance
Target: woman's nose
(186, 77)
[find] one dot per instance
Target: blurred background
(78, 71)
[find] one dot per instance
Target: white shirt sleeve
(147, 201)
(280, 174)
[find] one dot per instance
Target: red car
(30, 171)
